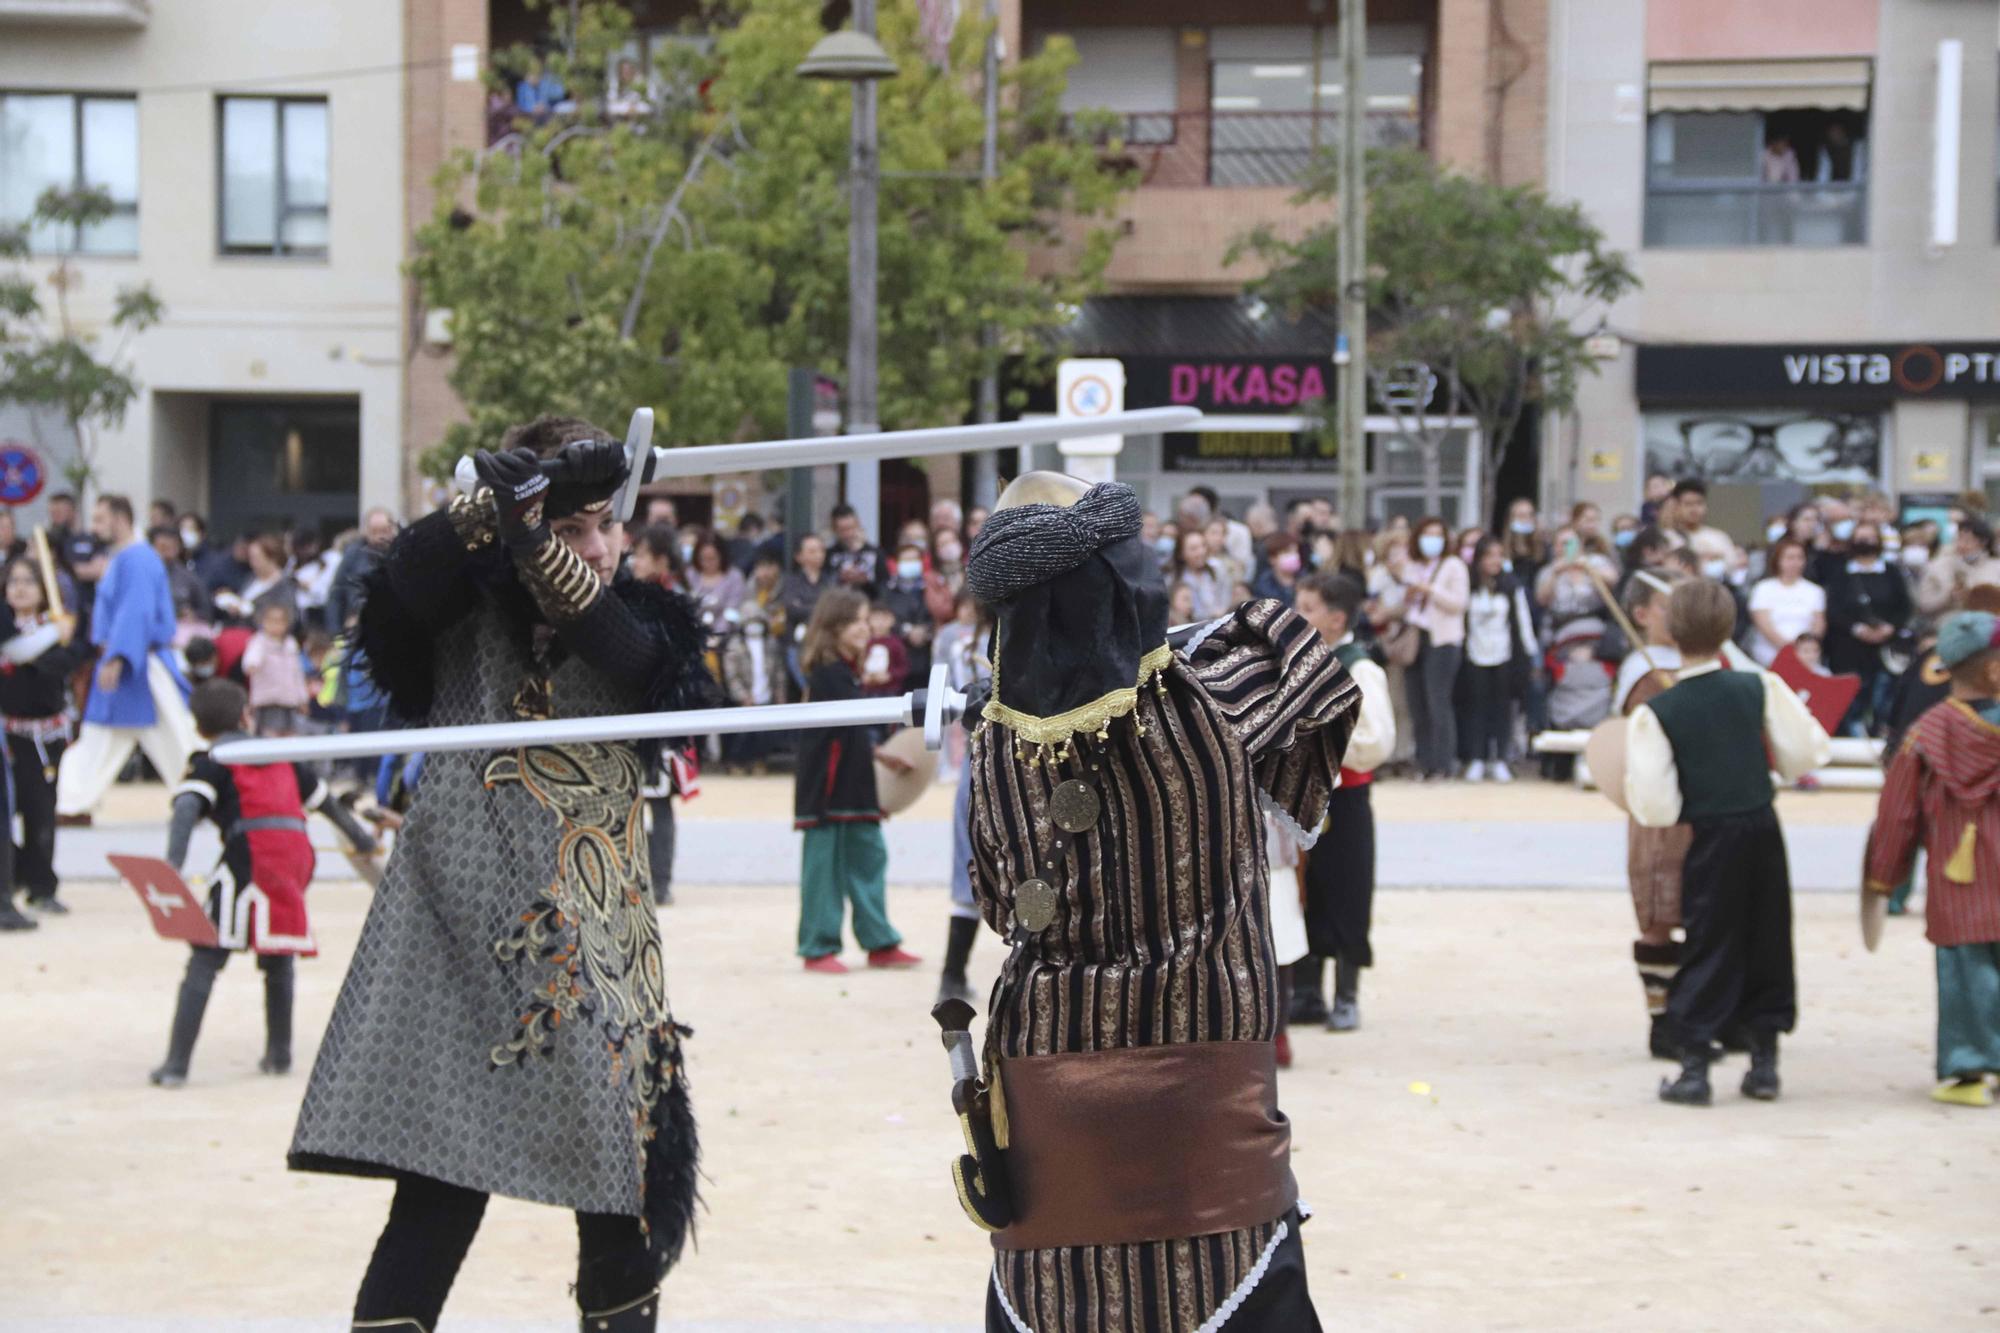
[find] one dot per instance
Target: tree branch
(669, 211)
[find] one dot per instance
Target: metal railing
(1692, 214)
(1242, 148)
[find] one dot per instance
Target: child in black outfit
(1695, 755)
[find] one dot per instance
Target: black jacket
(1853, 599)
(38, 688)
(835, 783)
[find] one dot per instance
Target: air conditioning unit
(437, 327)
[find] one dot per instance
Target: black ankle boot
(188, 1011)
(1309, 990)
(1691, 1088)
(1761, 1083)
(640, 1316)
(1346, 1014)
(277, 1019)
(952, 984)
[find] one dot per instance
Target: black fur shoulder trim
(683, 681)
(396, 649)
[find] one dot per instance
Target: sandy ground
(1485, 1153)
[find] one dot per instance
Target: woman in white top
(1436, 586)
(1785, 605)
(1500, 651)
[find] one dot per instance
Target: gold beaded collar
(1095, 716)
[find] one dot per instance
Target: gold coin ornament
(1034, 905)
(1075, 806)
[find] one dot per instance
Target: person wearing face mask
(1527, 547)
(1968, 564)
(946, 576)
(905, 595)
(1437, 586)
(1867, 604)
(753, 674)
(1282, 563)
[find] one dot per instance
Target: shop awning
(1758, 85)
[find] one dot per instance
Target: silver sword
(934, 708)
(646, 464)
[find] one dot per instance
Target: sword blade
(897, 711)
(704, 460)
(708, 459)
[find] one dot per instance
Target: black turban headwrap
(1080, 607)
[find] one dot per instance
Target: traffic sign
(21, 473)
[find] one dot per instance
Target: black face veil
(1081, 611)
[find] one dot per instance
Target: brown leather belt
(1151, 1143)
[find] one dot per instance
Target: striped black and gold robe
(1163, 927)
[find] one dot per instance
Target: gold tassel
(1959, 870)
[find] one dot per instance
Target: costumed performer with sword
(504, 1025)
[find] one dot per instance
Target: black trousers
(1736, 909)
(34, 769)
(1340, 879)
(431, 1226)
(1489, 712)
(1279, 1303)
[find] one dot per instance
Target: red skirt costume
(257, 899)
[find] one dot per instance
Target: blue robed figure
(138, 697)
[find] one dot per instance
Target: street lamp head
(847, 56)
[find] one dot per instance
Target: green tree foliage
(687, 256)
(49, 359)
(1482, 294)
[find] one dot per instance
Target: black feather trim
(673, 1170)
(396, 649)
(683, 681)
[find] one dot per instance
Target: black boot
(12, 918)
(1308, 990)
(1691, 1088)
(640, 1316)
(1346, 1015)
(1761, 1083)
(277, 1016)
(952, 984)
(188, 1011)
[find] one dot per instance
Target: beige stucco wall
(1892, 289)
(242, 324)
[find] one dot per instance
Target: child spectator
(273, 668)
(200, 656)
(258, 899)
(321, 664)
(1696, 755)
(1943, 795)
(1500, 652)
(1180, 603)
(887, 663)
(836, 804)
(906, 594)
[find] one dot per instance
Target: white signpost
(1088, 387)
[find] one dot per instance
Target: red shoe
(1283, 1042)
(827, 963)
(893, 956)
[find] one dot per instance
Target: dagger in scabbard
(980, 1173)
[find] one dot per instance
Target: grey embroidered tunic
(504, 1024)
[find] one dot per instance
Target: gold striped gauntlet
(561, 583)
(473, 519)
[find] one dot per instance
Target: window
(64, 141)
(1269, 116)
(1742, 153)
(274, 175)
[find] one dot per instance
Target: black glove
(584, 473)
(520, 493)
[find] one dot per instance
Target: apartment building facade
(1808, 191)
(251, 151)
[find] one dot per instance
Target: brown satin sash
(1152, 1143)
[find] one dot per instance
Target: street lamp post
(856, 57)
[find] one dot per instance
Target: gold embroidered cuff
(473, 519)
(561, 583)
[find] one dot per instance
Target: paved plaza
(1485, 1153)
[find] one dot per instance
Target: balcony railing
(1715, 214)
(1243, 148)
(77, 13)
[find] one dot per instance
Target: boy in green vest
(1696, 755)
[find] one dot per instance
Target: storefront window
(1730, 445)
